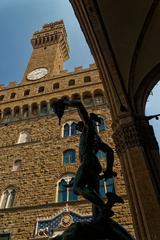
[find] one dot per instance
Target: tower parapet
(52, 33)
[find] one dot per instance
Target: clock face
(37, 73)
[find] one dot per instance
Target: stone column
(138, 151)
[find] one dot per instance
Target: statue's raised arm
(61, 104)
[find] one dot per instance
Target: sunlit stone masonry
(37, 155)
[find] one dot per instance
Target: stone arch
(76, 96)
(25, 111)
(87, 98)
(43, 108)
(144, 89)
(51, 104)
(7, 113)
(63, 193)
(98, 97)
(8, 197)
(34, 109)
(71, 82)
(16, 112)
(55, 86)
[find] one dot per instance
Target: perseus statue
(86, 181)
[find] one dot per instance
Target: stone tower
(37, 156)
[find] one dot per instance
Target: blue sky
(19, 19)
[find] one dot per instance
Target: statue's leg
(94, 183)
(82, 178)
(109, 155)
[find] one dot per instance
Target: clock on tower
(50, 50)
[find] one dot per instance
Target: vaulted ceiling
(132, 30)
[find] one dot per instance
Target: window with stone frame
(26, 92)
(7, 113)
(34, 109)
(25, 111)
(16, 165)
(16, 112)
(87, 79)
(69, 129)
(41, 89)
(99, 99)
(23, 137)
(12, 95)
(1, 97)
(55, 86)
(43, 108)
(71, 82)
(65, 189)
(69, 156)
(87, 99)
(5, 236)
(7, 198)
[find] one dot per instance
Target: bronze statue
(86, 181)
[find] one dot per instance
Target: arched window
(34, 109)
(73, 129)
(25, 111)
(98, 97)
(44, 108)
(69, 156)
(16, 165)
(101, 125)
(65, 190)
(12, 95)
(69, 129)
(7, 198)
(52, 101)
(55, 86)
(66, 130)
(7, 114)
(1, 97)
(41, 89)
(87, 99)
(87, 79)
(71, 82)
(76, 96)
(23, 137)
(101, 155)
(16, 112)
(26, 92)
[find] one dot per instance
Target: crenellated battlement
(79, 69)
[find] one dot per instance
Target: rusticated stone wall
(42, 155)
